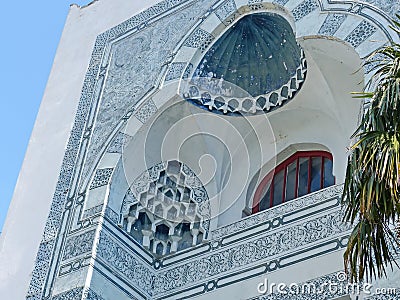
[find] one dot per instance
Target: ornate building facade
(200, 147)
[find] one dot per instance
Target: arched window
(302, 173)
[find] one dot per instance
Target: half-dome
(253, 67)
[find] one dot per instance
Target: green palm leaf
(371, 190)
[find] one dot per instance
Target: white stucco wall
(36, 183)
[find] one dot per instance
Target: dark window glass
(329, 179)
(265, 201)
(303, 176)
(278, 188)
(316, 167)
(291, 181)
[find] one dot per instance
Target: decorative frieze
(92, 211)
(79, 244)
(281, 2)
(125, 263)
(289, 207)
(252, 251)
(136, 63)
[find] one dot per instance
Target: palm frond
(371, 191)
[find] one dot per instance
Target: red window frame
(269, 178)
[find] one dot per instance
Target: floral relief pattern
(125, 263)
(135, 67)
(254, 251)
(79, 244)
(78, 294)
(253, 220)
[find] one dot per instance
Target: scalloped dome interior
(259, 54)
(255, 67)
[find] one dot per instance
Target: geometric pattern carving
(199, 39)
(332, 24)
(111, 215)
(256, 6)
(74, 265)
(101, 177)
(175, 71)
(146, 111)
(356, 8)
(363, 31)
(165, 212)
(374, 62)
(89, 294)
(304, 8)
(39, 273)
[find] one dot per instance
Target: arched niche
(331, 60)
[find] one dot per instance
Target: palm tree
(371, 191)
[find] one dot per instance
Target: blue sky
(30, 32)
